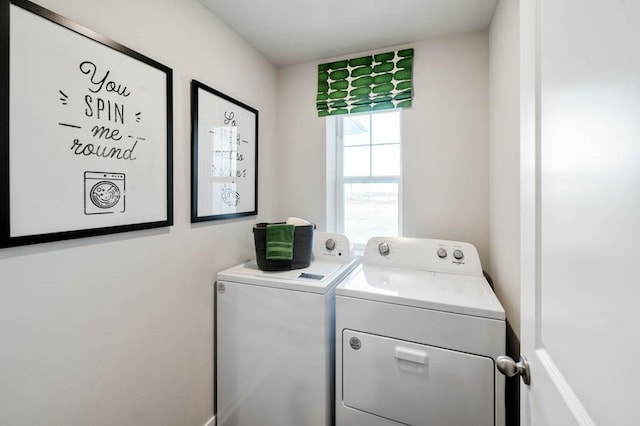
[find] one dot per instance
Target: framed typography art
(86, 132)
(224, 156)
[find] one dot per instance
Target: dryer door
(416, 384)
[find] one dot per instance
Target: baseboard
(211, 422)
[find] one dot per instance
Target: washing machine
(104, 193)
(275, 334)
(418, 330)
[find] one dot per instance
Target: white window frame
(341, 180)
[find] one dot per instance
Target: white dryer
(275, 334)
(418, 330)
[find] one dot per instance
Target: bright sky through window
(369, 175)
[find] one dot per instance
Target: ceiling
(291, 31)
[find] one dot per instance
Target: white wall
(118, 330)
(302, 146)
(445, 137)
(504, 158)
(445, 142)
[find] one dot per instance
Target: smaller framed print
(224, 156)
(85, 132)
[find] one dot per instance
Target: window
(368, 175)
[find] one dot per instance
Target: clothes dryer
(275, 334)
(418, 330)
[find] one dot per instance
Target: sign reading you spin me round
(87, 123)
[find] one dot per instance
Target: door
(273, 356)
(580, 210)
(415, 384)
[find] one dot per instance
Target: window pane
(385, 160)
(385, 127)
(356, 161)
(370, 209)
(355, 130)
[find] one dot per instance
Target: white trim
(400, 178)
(211, 422)
(337, 140)
(331, 163)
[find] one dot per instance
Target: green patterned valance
(369, 83)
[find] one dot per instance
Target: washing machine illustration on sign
(104, 192)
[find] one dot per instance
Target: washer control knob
(330, 244)
(457, 254)
(442, 253)
(384, 248)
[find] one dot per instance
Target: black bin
(302, 248)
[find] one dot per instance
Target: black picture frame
(224, 156)
(86, 138)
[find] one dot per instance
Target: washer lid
(318, 277)
(462, 294)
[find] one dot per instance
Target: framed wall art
(224, 156)
(86, 132)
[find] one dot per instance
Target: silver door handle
(510, 368)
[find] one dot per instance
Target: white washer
(275, 334)
(418, 329)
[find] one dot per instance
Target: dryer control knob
(384, 249)
(442, 253)
(330, 244)
(458, 254)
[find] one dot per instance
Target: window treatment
(369, 83)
